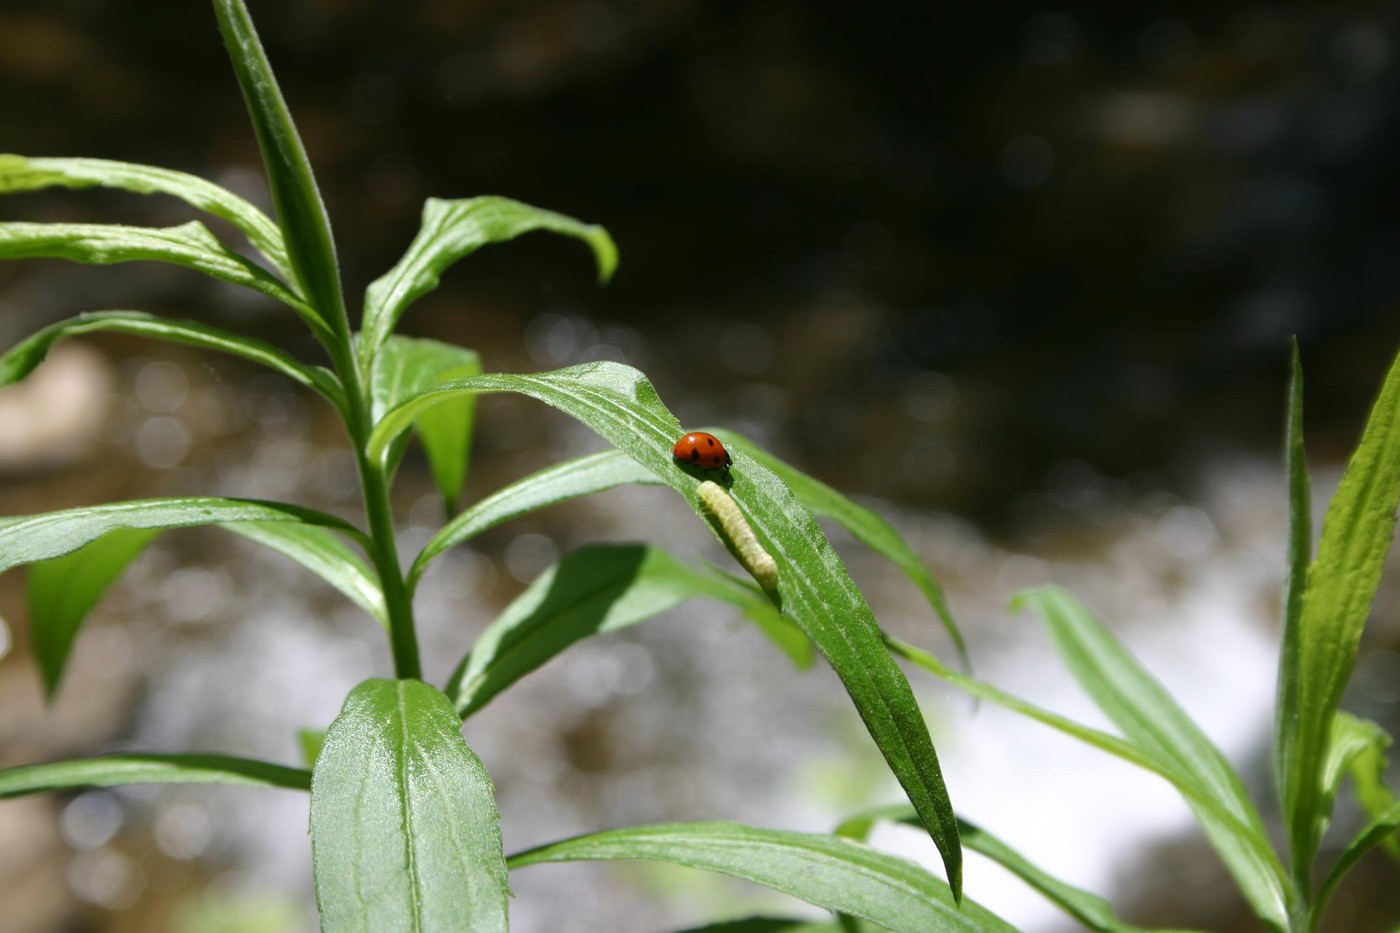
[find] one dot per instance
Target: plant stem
(374, 485)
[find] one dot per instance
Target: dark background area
(930, 253)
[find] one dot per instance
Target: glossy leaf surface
(21, 173)
(404, 831)
(814, 589)
(116, 770)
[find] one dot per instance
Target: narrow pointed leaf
(827, 871)
(306, 229)
(1151, 719)
(571, 479)
(22, 359)
(63, 591)
(25, 539)
(865, 525)
(814, 589)
(1368, 771)
(406, 366)
(1351, 738)
(451, 231)
(404, 831)
(319, 550)
(1187, 784)
(1094, 912)
(21, 173)
(1380, 831)
(603, 588)
(1299, 555)
(1341, 584)
(116, 770)
(190, 245)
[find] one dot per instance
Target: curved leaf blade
(62, 592)
(619, 404)
(404, 831)
(190, 245)
(451, 231)
(20, 360)
(317, 549)
(828, 871)
(116, 770)
(602, 588)
(571, 479)
(1341, 585)
(306, 228)
(406, 366)
(1094, 912)
(25, 539)
(1380, 831)
(866, 525)
(1151, 719)
(21, 173)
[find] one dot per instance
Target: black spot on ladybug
(694, 453)
(710, 441)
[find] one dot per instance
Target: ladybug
(703, 450)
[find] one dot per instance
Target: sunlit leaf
(1089, 909)
(115, 770)
(814, 589)
(21, 173)
(62, 592)
(865, 525)
(827, 871)
(602, 588)
(451, 231)
(302, 217)
(190, 245)
(21, 360)
(1341, 584)
(25, 539)
(404, 831)
(319, 550)
(406, 366)
(1151, 719)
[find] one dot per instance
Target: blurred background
(1021, 277)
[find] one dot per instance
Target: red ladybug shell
(702, 450)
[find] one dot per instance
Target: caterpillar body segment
(757, 561)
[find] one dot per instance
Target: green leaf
(20, 173)
(404, 831)
(1341, 584)
(1368, 771)
(1187, 784)
(311, 741)
(814, 588)
(1296, 572)
(571, 479)
(827, 871)
(1358, 746)
(451, 231)
(190, 245)
(865, 525)
(318, 549)
(63, 591)
(305, 227)
(602, 588)
(1089, 909)
(25, 539)
(406, 366)
(114, 770)
(25, 356)
(1151, 719)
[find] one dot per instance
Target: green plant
(403, 821)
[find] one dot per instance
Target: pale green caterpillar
(755, 559)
